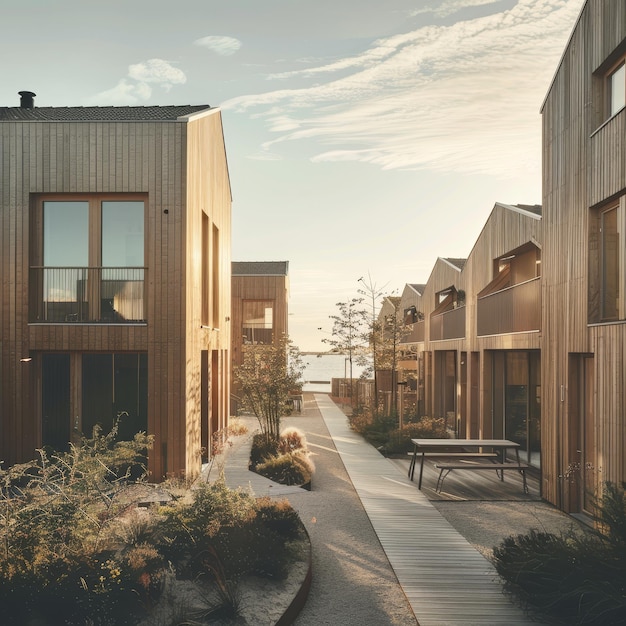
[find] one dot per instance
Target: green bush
(399, 439)
(262, 450)
(574, 578)
(228, 533)
(383, 432)
(75, 550)
(287, 469)
(58, 563)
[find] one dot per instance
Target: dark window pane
(55, 401)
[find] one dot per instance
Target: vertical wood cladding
(181, 167)
(584, 160)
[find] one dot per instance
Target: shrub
(575, 578)
(262, 450)
(287, 469)
(383, 432)
(399, 440)
(291, 439)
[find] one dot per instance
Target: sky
(364, 138)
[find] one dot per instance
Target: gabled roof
(531, 208)
(260, 268)
(100, 114)
(458, 263)
(419, 288)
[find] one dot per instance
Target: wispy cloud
(224, 46)
(450, 7)
(464, 97)
(136, 86)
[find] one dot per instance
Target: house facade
(115, 265)
(473, 336)
(584, 265)
(528, 339)
(260, 309)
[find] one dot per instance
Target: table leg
(419, 484)
(412, 463)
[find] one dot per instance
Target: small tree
(266, 377)
(348, 329)
(372, 334)
(393, 333)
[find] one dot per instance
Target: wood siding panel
(117, 157)
(583, 166)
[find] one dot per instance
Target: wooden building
(474, 335)
(528, 339)
(115, 264)
(260, 308)
(584, 265)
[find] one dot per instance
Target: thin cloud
(125, 93)
(135, 87)
(224, 46)
(457, 98)
(450, 7)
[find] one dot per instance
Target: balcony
(417, 333)
(448, 325)
(111, 295)
(515, 309)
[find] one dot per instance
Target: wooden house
(260, 308)
(584, 264)
(115, 264)
(411, 392)
(476, 359)
(499, 363)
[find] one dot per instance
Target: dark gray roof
(260, 268)
(419, 287)
(99, 114)
(460, 263)
(531, 208)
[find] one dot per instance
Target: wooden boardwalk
(446, 580)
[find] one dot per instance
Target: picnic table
(464, 450)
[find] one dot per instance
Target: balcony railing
(448, 325)
(87, 294)
(417, 333)
(515, 309)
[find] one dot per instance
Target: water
(321, 368)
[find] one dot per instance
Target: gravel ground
(485, 524)
(353, 583)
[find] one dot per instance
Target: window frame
(269, 304)
(600, 262)
(95, 203)
(616, 67)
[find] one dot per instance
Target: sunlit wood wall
(583, 165)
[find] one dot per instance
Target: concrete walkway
(392, 556)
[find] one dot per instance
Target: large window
(607, 271)
(258, 324)
(88, 259)
(610, 258)
(617, 88)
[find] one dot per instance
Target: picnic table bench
(468, 449)
(446, 468)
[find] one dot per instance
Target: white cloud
(224, 46)
(124, 93)
(463, 98)
(449, 7)
(135, 88)
(157, 71)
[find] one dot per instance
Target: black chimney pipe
(27, 99)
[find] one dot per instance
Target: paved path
(382, 554)
(446, 580)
